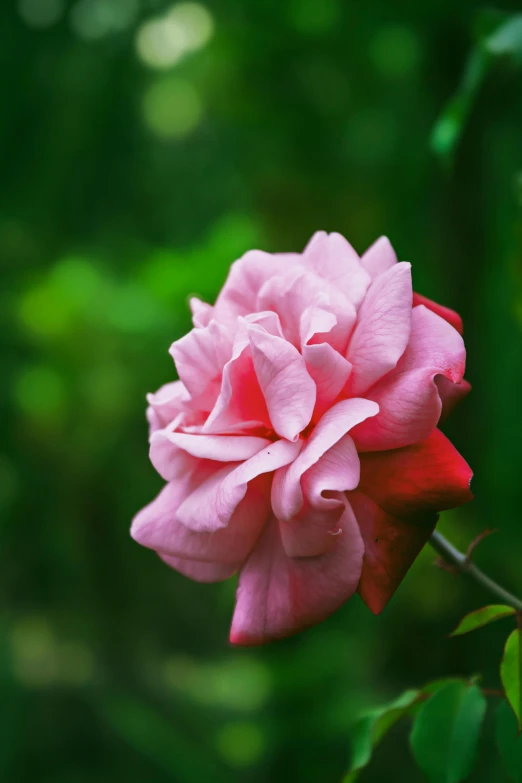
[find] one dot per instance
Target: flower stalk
(462, 563)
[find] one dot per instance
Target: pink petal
(450, 316)
(240, 404)
(390, 547)
(287, 495)
(383, 328)
(200, 571)
(245, 279)
(211, 505)
(434, 343)
(313, 530)
(310, 308)
(408, 397)
(199, 358)
(167, 449)
(451, 394)
(329, 371)
(157, 527)
(332, 257)
(278, 595)
(202, 313)
(379, 257)
(427, 476)
(166, 404)
(289, 391)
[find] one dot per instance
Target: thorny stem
(463, 564)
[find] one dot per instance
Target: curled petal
(166, 404)
(451, 394)
(288, 390)
(199, 358)
(450, 316)
(383, 328)
(278, 595)
(287, 494)
(408, 397)
(240, 404)
(211, 505)
(314, 529)
(168, 449)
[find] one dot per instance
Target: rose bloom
(300, 445)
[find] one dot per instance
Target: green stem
(463, 564)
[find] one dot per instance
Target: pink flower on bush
(300, 445)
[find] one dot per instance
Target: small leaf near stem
(481, 617)
(511, 673)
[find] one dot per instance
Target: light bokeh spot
(40, 13)
(163, 41)
(172, 108)
(95, 19)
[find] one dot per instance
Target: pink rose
(300, 447)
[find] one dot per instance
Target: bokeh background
(145, 145)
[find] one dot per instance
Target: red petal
(427, 476)
(451, 394)
(390, 547)
(449, 315)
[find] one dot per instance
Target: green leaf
(511, 674)
(509, 741)
(450, 125)
(507, 39)
(446, 732)
(371, 727)
(481, 617)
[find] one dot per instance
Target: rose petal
(278, 595)
(287, 495)
(199, 358)
(383, 328)
(245, 279)
(330, 372)
(202, 313)
(390, 547)
(312, 530)
(166, 404)
(450, 316)
(167, 449)
(451, 394)
(289, 391)
(427, 476)
(379, 257)
(211, 505)
(200, 571)
(408, 397)
(332, 257)
(240, 404)
(157, 527)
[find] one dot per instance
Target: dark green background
(297, 115)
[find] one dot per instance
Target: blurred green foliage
(145, 145)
